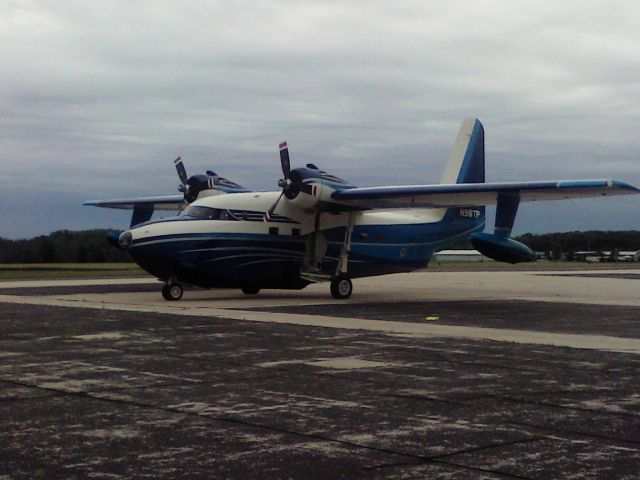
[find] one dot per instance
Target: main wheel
(172, 292)
(250, 290)
(341, 287)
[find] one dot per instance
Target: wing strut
(506, 210)
(346, 247)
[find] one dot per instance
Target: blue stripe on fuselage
(274, 260)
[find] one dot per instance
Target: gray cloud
(97, 100)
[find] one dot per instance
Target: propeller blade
(267, 216)
(284, 160)
(182, 173)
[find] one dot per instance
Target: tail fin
(466, 165)
(466, 162)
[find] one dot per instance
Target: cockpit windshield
(206, 213)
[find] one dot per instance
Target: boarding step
(315, 277)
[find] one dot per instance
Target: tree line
(63, 246)
(90, 246)
(554, 245)
(593, 241)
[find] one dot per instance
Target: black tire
(341, 287)
(250, 290)
(172, 292)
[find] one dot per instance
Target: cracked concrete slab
(322, 390)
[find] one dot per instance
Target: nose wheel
(250, 290)
(341, 286)
(172, 292)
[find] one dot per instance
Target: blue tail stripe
(472, 169)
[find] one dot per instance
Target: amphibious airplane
(322, 228)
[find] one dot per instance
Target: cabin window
(363, 237)
(295, 232)
(274, 230)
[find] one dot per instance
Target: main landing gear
(172, 291)
(341, 286)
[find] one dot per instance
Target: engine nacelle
(502, 249)
(209, 184)
(310, 187)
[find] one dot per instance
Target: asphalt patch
(100, 393)
(79, 289)
(623, 276)
(617, 321)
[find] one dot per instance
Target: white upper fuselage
(262, 201)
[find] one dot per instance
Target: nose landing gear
(250, 290)
(172, 292)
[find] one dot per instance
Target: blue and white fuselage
(222, 241)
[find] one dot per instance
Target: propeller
(285, 183)
(190, 194)
(182, 172)
(284, 161)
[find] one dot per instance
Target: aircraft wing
(473, 194)
(167, 202)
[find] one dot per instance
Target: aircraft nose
(125, 240)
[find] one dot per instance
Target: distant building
(460, 256)
(607, 256)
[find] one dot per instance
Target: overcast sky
(98, 98)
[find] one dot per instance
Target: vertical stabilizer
(466, 165)
(466, 162)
